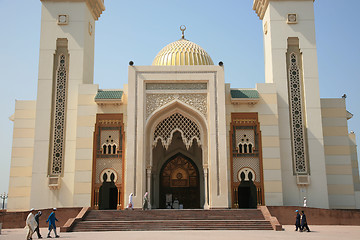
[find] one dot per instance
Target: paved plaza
(318, 232)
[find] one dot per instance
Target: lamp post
(4, 196)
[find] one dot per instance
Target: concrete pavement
(333, 232)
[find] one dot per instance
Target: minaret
(66, 60)
(291, 63)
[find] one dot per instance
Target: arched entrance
(179, 183)
(108, 192)
(247, 194)
(176, 129)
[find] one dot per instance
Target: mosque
(177, 130)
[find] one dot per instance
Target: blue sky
(228, 30)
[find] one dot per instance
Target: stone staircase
(166, 220)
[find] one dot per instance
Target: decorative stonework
(107, 174)
(247, 171)
(177, 122)
(245, 132)
(291, 18)
(108, 153)
(109, 122)
(176, 86)
(155, 101)
(59, 116)
(214, 74)
(296, 116)
(108, 163)
(245, 138)
(109, 141)
(240, 164)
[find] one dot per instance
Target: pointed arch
(176, 107)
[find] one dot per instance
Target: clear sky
(137, 30)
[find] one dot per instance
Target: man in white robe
(130, 205)
(31, 224)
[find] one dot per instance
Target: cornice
(96, 7)
(260, 6)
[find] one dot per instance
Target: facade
(177, 130)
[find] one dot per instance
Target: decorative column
(148, 187)
(118, 200)
(96, 202)
(206, 204)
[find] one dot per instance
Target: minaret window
(59, 108)
(297, 121)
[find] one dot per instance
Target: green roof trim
(109, 95)
(244, 93)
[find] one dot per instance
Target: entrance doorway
(108, 194)
(247, 194)
(179, 183)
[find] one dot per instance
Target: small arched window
(104, 149)
(250, 148)
(109, 149)
(114, 149)
(245, 148)
(240, 148)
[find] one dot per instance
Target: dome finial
(183, 28)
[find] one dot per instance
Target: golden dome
(182, 52)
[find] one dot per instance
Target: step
(172, 220)
(172, 225)
(175, 215)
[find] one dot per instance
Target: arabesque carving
(196, 100)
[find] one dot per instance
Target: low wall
(316, 216)
(17, 219)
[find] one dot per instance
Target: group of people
(32, 223)
(300, 222)
(146, 204)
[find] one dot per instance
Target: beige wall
(85, 126)
(338, 154)
(22, 156)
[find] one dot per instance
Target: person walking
(130, 205)
(51, 219)
(297, 221)
(146, 205)
(305, 202)
(304, 222)
(31, 224)
(37, 229)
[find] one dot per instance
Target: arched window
(250, 148)
(109, 149)
(245, 148)
(114, 149)
(104, 149)
(240, 148)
